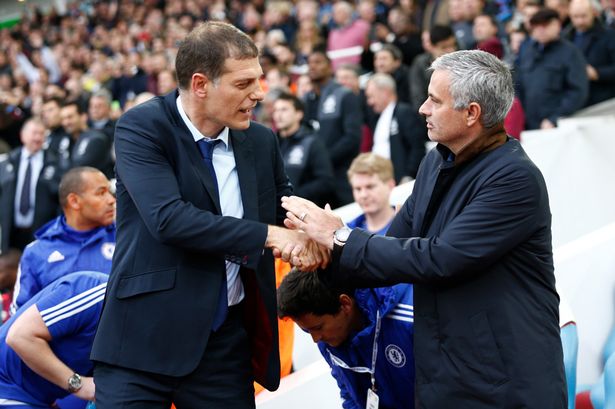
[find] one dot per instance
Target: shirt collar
(196, 134)
(25, 154)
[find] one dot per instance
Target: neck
(318, 85)
(377, 221)
(199, 120)
(484, 140)
(285, 133)
(75, 222)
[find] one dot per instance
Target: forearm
(38, 356)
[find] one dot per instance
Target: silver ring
(303, 216)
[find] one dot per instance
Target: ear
(473, 116)
(73, 201)
(198, 84)
(346, 303)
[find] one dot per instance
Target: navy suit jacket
(172, 243)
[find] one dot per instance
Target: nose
(258, 94)
(315, 337)
(423, 108)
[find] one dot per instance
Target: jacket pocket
(148, 282)
(492, 366)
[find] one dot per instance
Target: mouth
(247, 111)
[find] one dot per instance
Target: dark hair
(78, 104)
(72, 182)
(58, 101)
(543, 16)
(491, 18)
(321, 49)
(206, 49)
(393, 50)
(440, 33)
(303, 293)
(287, 96)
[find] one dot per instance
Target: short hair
(206, 49)
(321, 49)
(58, 101)
(354, 68)
(371, 164)
(287, 96)
(383, 81)
(33, 120)
(393, 50)
(477, 76)
(543, 16)
(103, 93)
(72, 182)
(440, 33)
(489, 17)
(303, 293)
(80, 108)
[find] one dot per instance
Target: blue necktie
(207, 150)
(24, 199)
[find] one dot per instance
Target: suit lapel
(246, 172)
(187, 141)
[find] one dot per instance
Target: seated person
(82, 239)
(45, 347)
(359, 333)
(372, 181)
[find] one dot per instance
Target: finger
(287, 252)
(294, 219)
(277, 253)
(327, 206)
(290, 225)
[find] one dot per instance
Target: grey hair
(477, 76)
(383, 81)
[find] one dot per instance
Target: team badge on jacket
(395, 355)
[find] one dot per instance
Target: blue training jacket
(59, 250)
(395, 359)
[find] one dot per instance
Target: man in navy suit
(190, 311)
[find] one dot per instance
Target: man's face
(444, 47)
(285, 116)
(166, 82)
(99, 109)
(547, 32)
(33, 136)
(581, 16)
(445, 124)
(232, 97)
(483, 28)
(332, 329)
(377, 98)
(71, 119)
(50, 115)
(370, 192)
(385, 63)
(96, 203)
(319, 68)
(347, 78)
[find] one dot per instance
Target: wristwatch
(340, 236)
(74, 383)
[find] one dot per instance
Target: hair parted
(206, 49)
(477, 76)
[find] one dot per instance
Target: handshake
(307, 241)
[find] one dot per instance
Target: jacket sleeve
(576, 86)
(27, 284)
(144, 169)
(347, 145)
(606, 72)
(505, 212)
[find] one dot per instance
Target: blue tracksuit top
(59, 250)
(395, 359)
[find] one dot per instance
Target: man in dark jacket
(305, 159)
(597, 44)
(335, 112)
(29, 179)
(475, 240)
(551, 79)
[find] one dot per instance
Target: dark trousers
(222, 380)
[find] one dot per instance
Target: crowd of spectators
(80, 68)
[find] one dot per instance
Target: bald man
(597, 43)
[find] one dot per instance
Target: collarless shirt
(382, 133)
(229, 191)
(25, 221)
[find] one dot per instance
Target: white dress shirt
(229, 191)
(382, 133)
(26, 221)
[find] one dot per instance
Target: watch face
(342, 234)
(74, 382)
